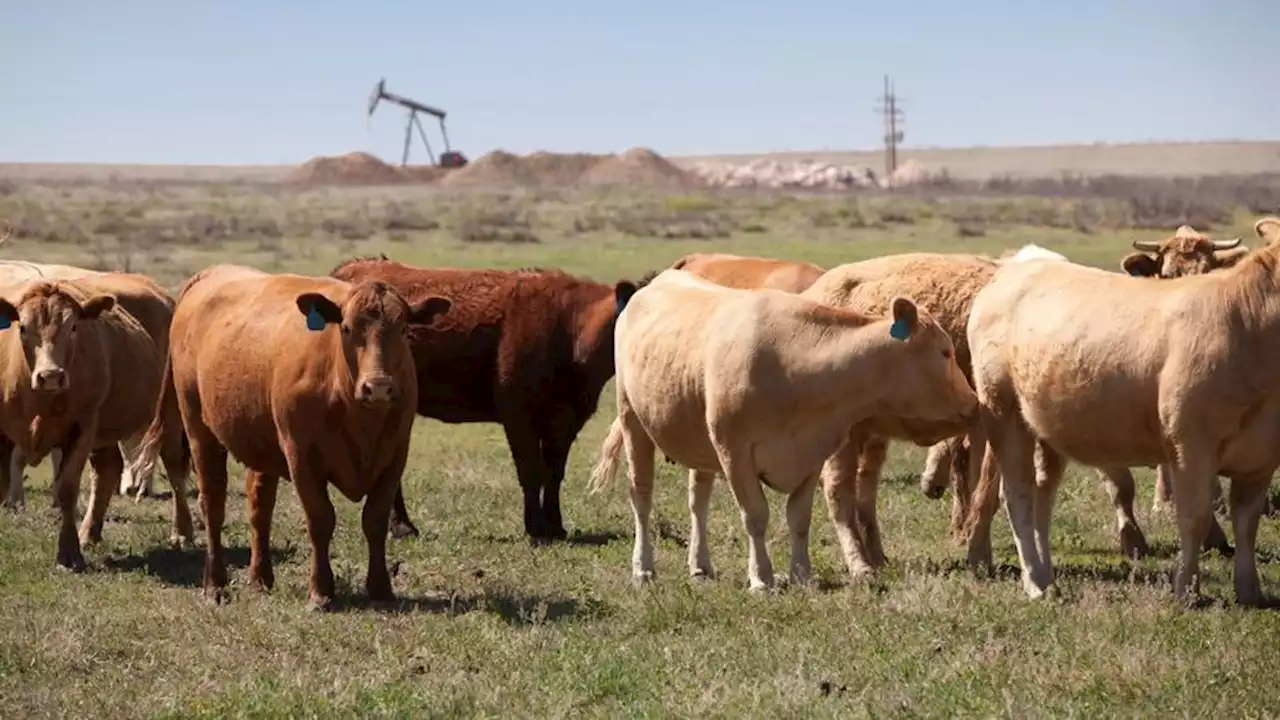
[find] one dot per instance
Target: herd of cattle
(765, 372)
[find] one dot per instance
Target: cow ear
(424, 311)
(319, 310)
(906, 319)
(1140, 265)
(1228, 258)
(92, 308)
(622, 293)
(8, 314)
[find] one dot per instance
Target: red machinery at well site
(449, 158)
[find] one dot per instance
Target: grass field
(488, 626)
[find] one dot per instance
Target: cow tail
(986, 495)
(610, 457)
(144, 460)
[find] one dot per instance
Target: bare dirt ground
(1144, 159)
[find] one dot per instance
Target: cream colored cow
(763, 386)
(1115, 371)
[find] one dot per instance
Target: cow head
(47, 319)
(373, 322)
(1187, 252)
(926, 386)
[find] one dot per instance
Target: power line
(893, 120)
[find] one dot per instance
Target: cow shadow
(577, 538)
(184, 567)
(515, 608)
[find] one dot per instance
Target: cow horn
(1147, 245)
(8, 232)
(1225, 244)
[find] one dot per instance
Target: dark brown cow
(79, 375)
(304, 378)
(751, 273)
(528, 349)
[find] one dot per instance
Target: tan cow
(763, 386)
(135, 293)
(1115, 371)
(750, 273)
(309, 379)
(79, 374)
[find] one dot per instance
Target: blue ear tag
(899, 330)
(5, 322)
(315, 321)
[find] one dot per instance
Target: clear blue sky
(267, 81)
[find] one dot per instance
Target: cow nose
(377, 390)
(49, 379)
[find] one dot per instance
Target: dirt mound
(496, 168)
(639, 166)
(560, 169)
(355, 168)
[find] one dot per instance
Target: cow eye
(946, 354)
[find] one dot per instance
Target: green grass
(488, 626)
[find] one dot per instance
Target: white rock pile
(806, 173)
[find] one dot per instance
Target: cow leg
(67, 492)
(740, 471)
(210, 459)
(14, 463)
(317, 508)
(138, 487)
(107, 465)
(1121, 488)
(1163, 498)
(1248, 496)
(555, 457)
(1049, 467)
(866, 491)
(1190, 477)
(260, 492)
(839, 485)
(526, 451)
(982, 511)
(401, 526)
(1014, 448)
(173, 455)
(700, 485)
(374, 519)
(799, 520)
(1216, 539)
(640, 450)
(936, 475)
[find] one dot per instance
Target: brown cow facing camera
(528, 349)
(302, 378)
(79, 374)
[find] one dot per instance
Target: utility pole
(893, 119)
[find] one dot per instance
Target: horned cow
(1114, 371)
(763, 386)
(528, 349)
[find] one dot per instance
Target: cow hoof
(642, 577)
(261, 584)
(320, 603)
(216, 595)
(71, 561)
(1133, 544)
(760, 587)
(558, 534)
(178, 542)
(89, 539)
(702, 574)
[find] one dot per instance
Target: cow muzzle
(50, 380)
(376, 390)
